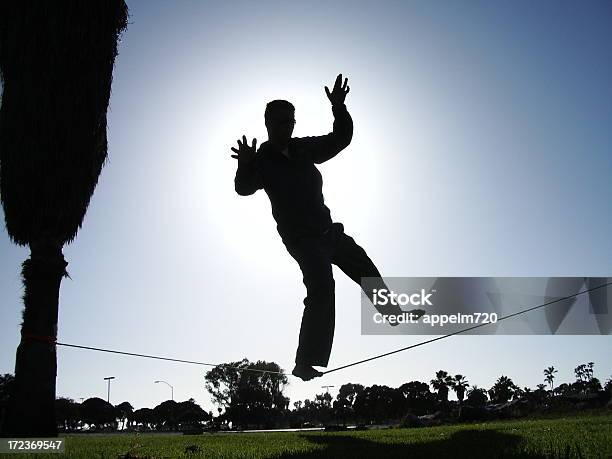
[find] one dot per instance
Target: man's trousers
(315, 256)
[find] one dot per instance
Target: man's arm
(248, 179)
(327, 146)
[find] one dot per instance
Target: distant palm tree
(441, 384)
(541, 387)
(459, 384)
(477, 396)
(549, 373)
(56, 62)
(503, 390)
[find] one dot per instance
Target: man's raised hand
(337, 95)
(244, 152)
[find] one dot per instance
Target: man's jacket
(294, 184)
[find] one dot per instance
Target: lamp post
(109, 380)
(327, 387)
(171, 388)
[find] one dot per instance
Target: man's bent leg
(353, 260)
(318, 319)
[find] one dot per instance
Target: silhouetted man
(284, 167)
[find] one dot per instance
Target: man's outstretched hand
(339, 92)
(245, 153)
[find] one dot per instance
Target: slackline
(192, 362)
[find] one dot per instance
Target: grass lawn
(577, 436)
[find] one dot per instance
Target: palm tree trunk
(31, 410)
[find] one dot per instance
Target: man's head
(280, 120)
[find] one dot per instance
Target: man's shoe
(305, 372)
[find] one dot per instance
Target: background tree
(459, 384)
(145, 417)
(310, 411)
(593, 386)
(165, 415)
(98, 412)
(379, 403)
(345, 401)
(67, 413)
(56, 62)
(585, 382)
(584, 372)
(6, 385)
(518, 393)
(323, 407)
(549, 374)
(503, 390)
(249, 397)
(564, 389)
(124, 412)
(189, 412)
(418, 399)
(441, 384)
(540, 394)
(477, 396)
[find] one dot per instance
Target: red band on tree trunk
(44, 339)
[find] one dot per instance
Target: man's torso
(295, 188)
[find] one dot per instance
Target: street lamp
(109, 380)
(171, 388)
(326, 387)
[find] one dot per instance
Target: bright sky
(481, 148)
